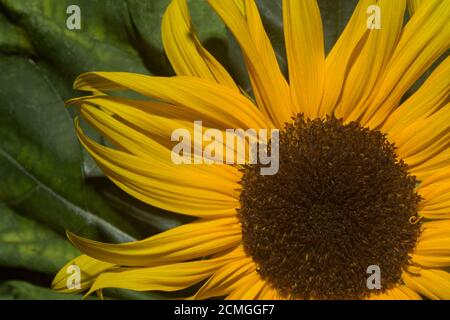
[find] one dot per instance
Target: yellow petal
(156, 121)
(137, 162)
(435, 191)
(170, 277)
(426, 137)
(305, 54)
(113, 118)
(249, 290)
(429, 98)
(400, 292)
(413, 5)
(90, 269)
(432, 283)
(268, 293)
(210, 99)
(200, 192)
(270, 87)
(340, 58)
(226, 279)
(435, 229)
(370, 63)
(187, 242)
(424, 39)
(430, 261)
(427, 165)
(433, 246)
(409, 293)
(183, 48)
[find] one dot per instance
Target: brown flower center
(341, 201)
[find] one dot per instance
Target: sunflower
(363, 180)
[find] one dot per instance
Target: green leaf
(146, 17)
(12, 38)
(101, 44)
(104, 43)
(20, 290)
(29, 245)
(40, 158)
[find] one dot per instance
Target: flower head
(363, 176)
